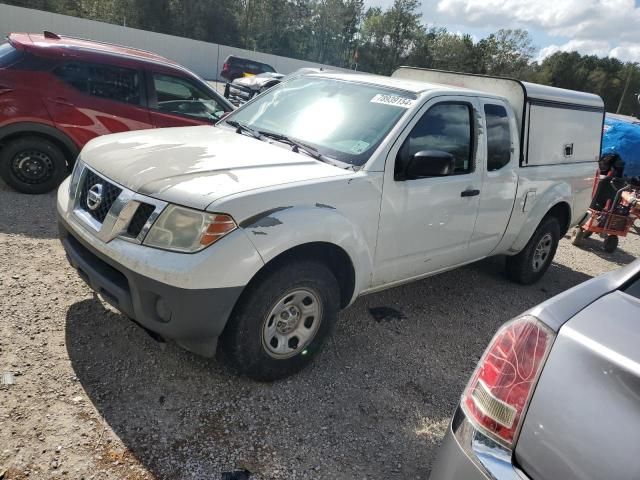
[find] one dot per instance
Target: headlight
(75, 178)
(184, 230)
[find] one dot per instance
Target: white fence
(206, 59)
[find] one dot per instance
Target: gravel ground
(96, 398)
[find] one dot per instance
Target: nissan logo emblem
(94, 196)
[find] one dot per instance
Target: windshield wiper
(241, 127)
(297, 146)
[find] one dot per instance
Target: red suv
(57, 93)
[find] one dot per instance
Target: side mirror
(429, 163)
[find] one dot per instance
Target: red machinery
(613, 211)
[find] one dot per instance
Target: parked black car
(237, 67)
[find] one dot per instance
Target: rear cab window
(8, 55)
(498, 136)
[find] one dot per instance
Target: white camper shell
(539, 109)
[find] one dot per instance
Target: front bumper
(184, 297)
(467, 454)
(195, 318)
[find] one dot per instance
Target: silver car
(556, 395)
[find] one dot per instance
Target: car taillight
(225, 66)
(502, 385)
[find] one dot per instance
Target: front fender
(544, 202)
(276, 231)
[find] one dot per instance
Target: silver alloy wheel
(292, 323)
(542, 252)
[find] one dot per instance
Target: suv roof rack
(55, 36)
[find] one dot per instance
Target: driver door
(178, 102)
(426, 224)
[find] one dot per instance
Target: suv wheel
(530, 264)
(32, 165)
(282, 321)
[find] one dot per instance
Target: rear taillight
(500, 389)
(225, 66)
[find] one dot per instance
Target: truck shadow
(390, 384)
(619, 256)
(30, 215)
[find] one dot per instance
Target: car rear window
(634, 289)
(8, 54)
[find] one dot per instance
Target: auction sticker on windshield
(394, 100)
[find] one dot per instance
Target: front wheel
(32, 165)
(530, 264)
(282, 321)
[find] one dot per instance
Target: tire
(610, 243)
(530, 265)
(32, 165)
(577, 236)
(253, 340)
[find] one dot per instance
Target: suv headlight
(185, 230)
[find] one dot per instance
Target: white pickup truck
(253, 234)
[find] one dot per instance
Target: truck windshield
(342, 120)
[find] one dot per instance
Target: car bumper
(467, 454)
(194, 318)
(184, 297)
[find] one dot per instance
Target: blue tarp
(622, 136)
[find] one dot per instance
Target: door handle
(470, 193)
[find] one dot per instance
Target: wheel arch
(562, 211)
(24, 129)
(556, 202)
(330, 254)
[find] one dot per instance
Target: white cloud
(627, 52)
(600, 27)
(586, 47)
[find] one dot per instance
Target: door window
(178, 95)
(445, 127)
(103, 81)
(498, 137)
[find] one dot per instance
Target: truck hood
(194, 166)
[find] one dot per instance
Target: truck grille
(109, 195)
(139, 219)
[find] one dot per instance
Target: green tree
(507, 53)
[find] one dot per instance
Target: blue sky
(600, 27)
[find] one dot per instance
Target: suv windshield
(342, 120)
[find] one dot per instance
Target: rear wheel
(610, 243)
(531, 263)
(32, 165)
(282, 321)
